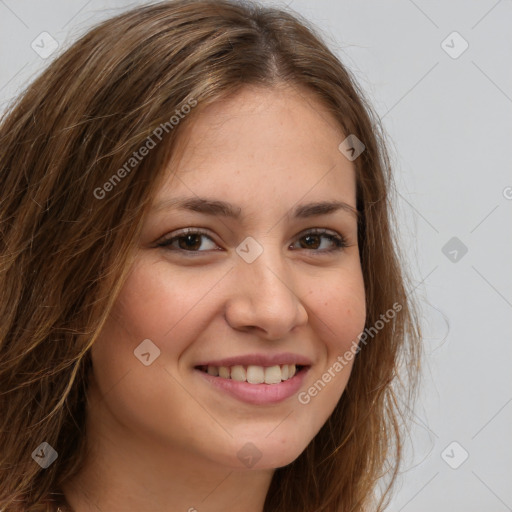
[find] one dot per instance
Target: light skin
(161, 437)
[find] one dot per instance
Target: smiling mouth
(253, 374)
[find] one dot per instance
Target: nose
(263, 297)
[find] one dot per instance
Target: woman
(202, 302)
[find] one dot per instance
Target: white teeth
(273, 375)
(238, 373)
(224, 372)
(254, 374)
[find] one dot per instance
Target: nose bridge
(264, 294)
(270, 278)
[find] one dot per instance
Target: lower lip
(258, 394)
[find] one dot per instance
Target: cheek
(340, 311)
(170, 313)
(339, 318)
(158, 303)
(144, 309)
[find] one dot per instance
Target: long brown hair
(65, 250)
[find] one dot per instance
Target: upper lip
(259, 360)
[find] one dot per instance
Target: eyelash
(339, 241)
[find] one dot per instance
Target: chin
(263, 453)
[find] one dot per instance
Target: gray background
(448, 118)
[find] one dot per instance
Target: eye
(314, 240)
(188, 240)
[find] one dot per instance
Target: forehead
(280, 141)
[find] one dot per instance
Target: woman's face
(257, 291)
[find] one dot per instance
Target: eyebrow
(222, 208)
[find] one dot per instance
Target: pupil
(313, 238)
(189, 242)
